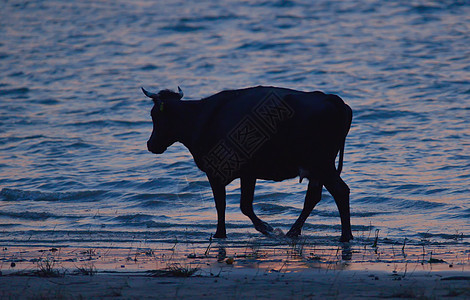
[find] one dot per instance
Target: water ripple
(14, 195)
(74, 124)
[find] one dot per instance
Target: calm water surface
(74, 169)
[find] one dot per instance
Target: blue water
(74, 169)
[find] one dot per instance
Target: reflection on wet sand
(219, 256)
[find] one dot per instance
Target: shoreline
(298, 255)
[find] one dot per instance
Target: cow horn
(150, 95)
(180, 92)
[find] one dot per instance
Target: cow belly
(271, 167)
(281, 165)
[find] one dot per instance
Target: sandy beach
(241, 284)
(216, 272)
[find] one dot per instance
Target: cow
(261, 132)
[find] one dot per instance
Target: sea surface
(74, 167)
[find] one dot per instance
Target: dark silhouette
(260, 133)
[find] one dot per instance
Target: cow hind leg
(246, 205)
(312, 197)
(340, 192)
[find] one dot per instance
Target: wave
(457, 236)
(14, 91)
(269, 208)
(108, 123)
(7, 194)
(159, 199)
(397, 203)
(384, 114)
(272, 196)
(418, 204)
(182, 27)
(135, 218)
(27, 215)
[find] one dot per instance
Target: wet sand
(233, 272)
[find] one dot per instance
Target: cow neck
(189, 112)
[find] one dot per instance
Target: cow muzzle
(155, 150)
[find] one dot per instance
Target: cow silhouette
(255, 133)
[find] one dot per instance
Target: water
(74, 169)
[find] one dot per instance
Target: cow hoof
(346, 238)
(293, 233)
(264, 228)
(218, 235)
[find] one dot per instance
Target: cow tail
(347, 125)
(340, 161)
(346, 115)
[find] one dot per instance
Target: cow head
(164, 131)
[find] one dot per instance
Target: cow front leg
(340, 192)
(247, 186)
(312, 197)
(218, 190)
